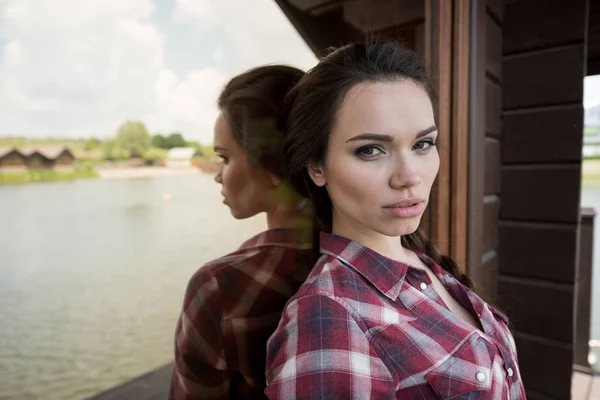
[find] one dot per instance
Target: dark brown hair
(311, 109)
(252, 103)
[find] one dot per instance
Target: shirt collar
(385, 274)
(293, 238)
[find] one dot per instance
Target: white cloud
(188, 104)
(259, 34)
(73, 68)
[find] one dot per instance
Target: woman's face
(246, 188)
(381, 159)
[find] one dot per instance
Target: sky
(81, 68)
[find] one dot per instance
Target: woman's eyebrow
(387, 138)
(371, 136)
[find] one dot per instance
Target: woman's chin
(402, 229)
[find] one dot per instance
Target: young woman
(382, 315)
(233, 304)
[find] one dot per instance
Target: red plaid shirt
(231, 307)
(366, 327)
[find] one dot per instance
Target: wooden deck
(155, 386)
(585, 387)
(152, 386)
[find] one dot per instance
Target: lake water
(92, 275)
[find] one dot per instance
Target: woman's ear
(317, 174)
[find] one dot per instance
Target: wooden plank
(485, 277)
(491, 211)
(477, 129)
(320, 32)
(460, 133)
(493, 108)
(539, 135)
(541, 193)
(153, 385)
(308, 5)
(585, 288)
(537, 307)
(493, 48)
(492, 166)
(439, 24)
(529, 82)
(369, 15)
(541, 251)
(545, 365)
(538, 24)
(496, 7)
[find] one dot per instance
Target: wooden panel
(369, 15)
(460, 133)
(485, 277)
(537, 24)
(494, 48)
(491, 211)
(529, 82)
(477, 128)
(545, 366)
(493, 108)
(593, 39)
(492, 166)
(307, 5)
(496, 7)
(439, 39)
(540, 135)
(542, 251)
(541, 193)
(320, 32)
(585, 288)
(538, 308)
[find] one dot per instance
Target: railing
(583, 290)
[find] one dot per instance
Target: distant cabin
(180, 157)
(41, 157)
(12, 160)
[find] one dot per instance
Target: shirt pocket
(466, 373)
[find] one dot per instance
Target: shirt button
(510, 372)
(423, 286)
(480, 376)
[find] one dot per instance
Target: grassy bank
(590, 173)
(45, 176)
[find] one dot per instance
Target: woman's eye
(369, 151)
(223, 159)
(424, 145)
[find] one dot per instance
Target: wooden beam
(322, 31)
(438, 28)
(369, 15)
(460, 133)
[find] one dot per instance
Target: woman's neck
(388, 246)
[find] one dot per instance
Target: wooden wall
(484, 157)
(541, 137)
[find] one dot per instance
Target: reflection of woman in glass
(234, 303)
(383, 314)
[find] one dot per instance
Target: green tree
(158, 140)
(175, 139)
(133, 137)
(112, 151)
(92, 144)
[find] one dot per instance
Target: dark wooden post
(583, 290)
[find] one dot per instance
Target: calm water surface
(92, 275)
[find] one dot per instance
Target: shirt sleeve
(200, 369)
(320, 351)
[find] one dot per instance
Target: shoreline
(145, 172)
